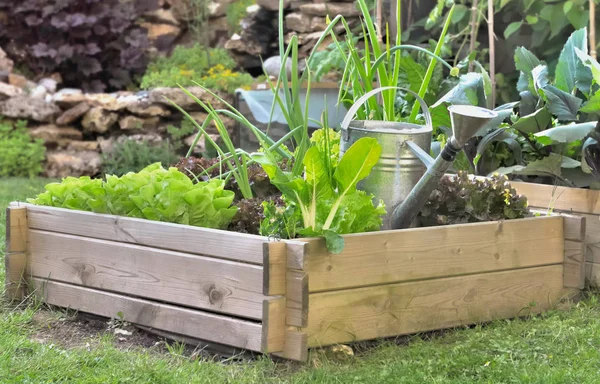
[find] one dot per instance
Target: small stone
(39, 92)
(318, 24)
(105, 145)
(17, 80)
(61, 164)
(160, 96)
(68, 97)
(98, 120)
(72, 114)
(147, 109)
(24, 107)
(331, 9)
(51, 134)
(7, 91)
(6, 64)
(298, 22)
(162, 16)
(272, 66)
(77, 145)
(49, 84)
(165, 33)
(150, 138)
(134, 122)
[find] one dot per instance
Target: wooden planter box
(576, 201)
(283, 297)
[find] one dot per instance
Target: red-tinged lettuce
(154, 193)
(325, 202)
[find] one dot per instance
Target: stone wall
(305, 19)
(77, 127)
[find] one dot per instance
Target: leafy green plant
(325, 202)
(20, 155)
(555, 117)
(381, 63)
(154, 193)
(186, 66)
(132, 156)
(467, 199)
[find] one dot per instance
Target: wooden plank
(194, 323)
(296, 345)
(405, 308)
(421, 253)
(592, 237)
(183, 238)
(297, 298)
(201, 282)
(592, 274)
(273, 325)
(15, 260)
(274, 268)
(574, 227)
(560, 198)
(297, 253)
(574, 268)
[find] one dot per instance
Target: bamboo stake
(473, 30)
(593, 29)
(492, 49)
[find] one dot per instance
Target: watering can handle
(359, 103)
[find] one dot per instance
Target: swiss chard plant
(325, 202)
(154, 193)
(556, 119)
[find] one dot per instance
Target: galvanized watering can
(406, 174)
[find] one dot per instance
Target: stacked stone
(77, 127)
(304, 19)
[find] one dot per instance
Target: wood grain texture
(183, 238)
(201, 282)
(197, 324)
(560, 198)
(274, 253)
(296, 253)
(574, 227)
(421, 253)
(296, 345)
(592, 237)
(592, 274)
(574, 267)
(15, 259)
(273, 325)
(297, 298)
(398, 309)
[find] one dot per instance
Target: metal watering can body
(406, 174)
(398, 169)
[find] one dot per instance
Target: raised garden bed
(576, 201)
(284, 297)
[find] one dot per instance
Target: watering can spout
(466, 121)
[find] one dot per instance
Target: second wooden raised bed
(284, 297)
(576, 201)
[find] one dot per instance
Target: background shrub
(20, 156)
(212, 67)
(96, 45)
(133, 156)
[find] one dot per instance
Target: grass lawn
(559, 347)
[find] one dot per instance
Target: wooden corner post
(287, 312)
(575, 248)
(16, 252)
